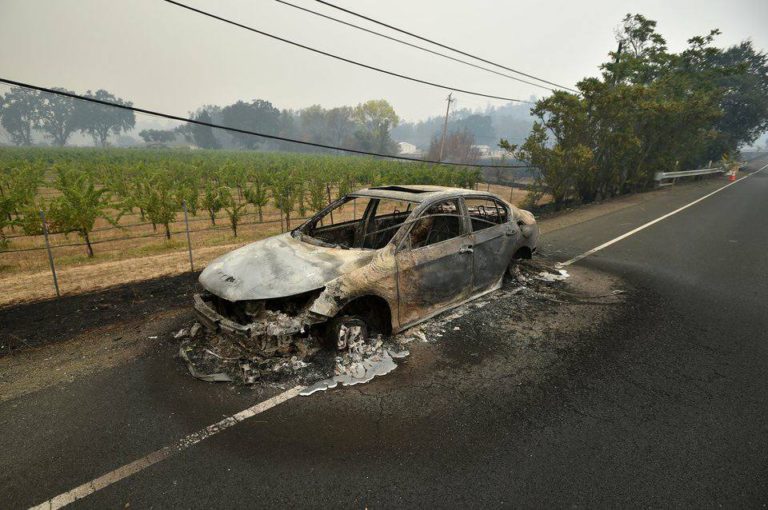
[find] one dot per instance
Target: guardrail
(661, 176)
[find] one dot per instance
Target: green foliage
(259, 116)
(257, 195)
(162, 203)
(19, 111)
(100, 121)
(234, 210)
(213, 200)
(284, 191)
(318, 197)
(154, 183)
(157, 136)
(652, 111)
(80, 204)
(375, 118)
(60, 116)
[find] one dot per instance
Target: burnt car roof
(417, 192)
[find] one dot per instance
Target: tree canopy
(23, 111)
(651, 110)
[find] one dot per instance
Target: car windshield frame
(302, 232)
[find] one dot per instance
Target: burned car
(380, 259)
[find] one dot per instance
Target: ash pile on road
(215, 357)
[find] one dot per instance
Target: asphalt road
(664, 405)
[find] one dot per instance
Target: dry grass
(25, 276)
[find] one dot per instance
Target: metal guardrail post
(50, 255)
(189, 241)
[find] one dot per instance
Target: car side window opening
(441, 222)
(384, 220)
(485, 213)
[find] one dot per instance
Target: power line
(444, 46)
(238, 130)
(422, 48)
(337, 57)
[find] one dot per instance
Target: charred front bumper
(252, 319)
(215, 322)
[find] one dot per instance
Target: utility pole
(445, 126)
(616, 63)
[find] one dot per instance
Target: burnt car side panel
(378, 278)
(493, 249)
(433, 277)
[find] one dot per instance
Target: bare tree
(459, 147)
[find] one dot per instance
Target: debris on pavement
(274, 357)
(360, 363)
(558, 276)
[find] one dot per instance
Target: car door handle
(466, 249)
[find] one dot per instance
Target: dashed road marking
(134, 467)
(653, 222)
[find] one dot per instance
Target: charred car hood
(277, 267)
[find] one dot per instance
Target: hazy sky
(162, 57)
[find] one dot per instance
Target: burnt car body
(384, 258)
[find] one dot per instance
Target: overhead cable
(337, 57)
(445, 46)
(242, 131)
(422, 48)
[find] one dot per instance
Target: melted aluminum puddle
(559, 276)
(360, 364)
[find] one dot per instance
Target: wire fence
(182, 227)
(144, 236)
(50, 248)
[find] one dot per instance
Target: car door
(434, 262)
(493, 239)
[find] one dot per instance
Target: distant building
(408, 149)
(488, 152)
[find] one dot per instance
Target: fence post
(189, 242)
(328, 190)
(50, 255)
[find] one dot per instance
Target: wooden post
(328, 190)
(50, 255)
(189, 242)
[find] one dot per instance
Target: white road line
(134, 467)
(642, 227)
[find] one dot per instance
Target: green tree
(213, 200)
(7, 208)
(60, 116)
(257, 115)
(20, 114)
(375, 119)
(81, 202)
(284, 195)
(317, 193)
(652, 110)
(234, 210)
(257, 195)
(100, 120)
(162, 203)
(157, 135)
(202, 136)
